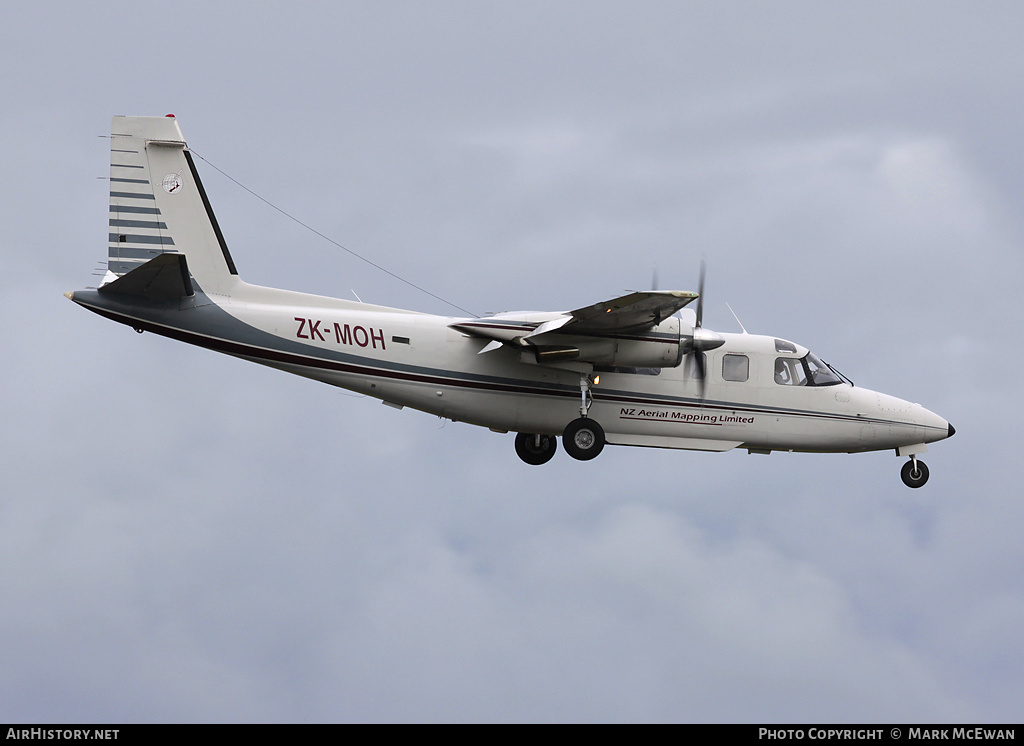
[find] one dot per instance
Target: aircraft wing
(627, 313)
(634, 330)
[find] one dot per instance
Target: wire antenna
(331, 240)
(737, 318)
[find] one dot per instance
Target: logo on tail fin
(172, 183)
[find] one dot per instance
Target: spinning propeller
(703, 340)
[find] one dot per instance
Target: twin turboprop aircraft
(637, 370)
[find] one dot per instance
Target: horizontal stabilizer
(164, 277)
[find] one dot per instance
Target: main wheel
(914, 477)
(583, 438)
(535, 449)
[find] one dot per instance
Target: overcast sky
(189, 537)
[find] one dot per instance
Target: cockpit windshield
(805, 371)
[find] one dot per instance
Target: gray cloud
(186, 537)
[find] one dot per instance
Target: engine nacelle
(662, 346)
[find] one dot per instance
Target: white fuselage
(417, 360)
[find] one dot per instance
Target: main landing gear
(914, 473)
(535, 449)
(583, 438)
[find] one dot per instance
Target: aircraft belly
(689, 444)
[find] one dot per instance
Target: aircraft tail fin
(158, 206)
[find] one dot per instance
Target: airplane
(636, 370)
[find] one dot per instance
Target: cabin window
(735, 367)
(782, 345)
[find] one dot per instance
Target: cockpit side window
(805, 371)
(789, 371)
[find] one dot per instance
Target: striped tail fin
(158, 205)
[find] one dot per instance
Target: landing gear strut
(535, 449)
(586, 397)
(914, 473)
(583, 438)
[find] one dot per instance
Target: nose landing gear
(914, 473)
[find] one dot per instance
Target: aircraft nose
(933, 427)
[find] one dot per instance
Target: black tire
(533, 453)
(583, 439)
(913, 478)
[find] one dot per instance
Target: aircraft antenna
(737, 318)
(331, 240)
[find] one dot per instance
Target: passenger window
(735, 367)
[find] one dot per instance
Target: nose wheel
(914, 473)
